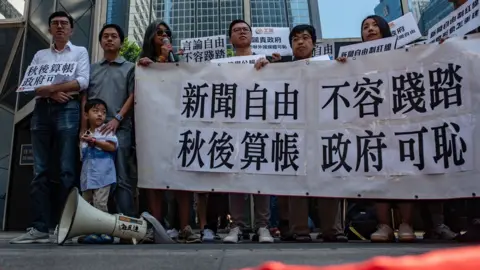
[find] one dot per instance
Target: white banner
(391, 125)
(405, 29)
(269, 40)
(370, 47)
(204, 49)
(460, 22)
(46, 74)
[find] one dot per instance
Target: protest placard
(269, 40)
(460, 22)
(405, 29)
(204, 49)
(45, 74)
(250, 59)
(370, 47)
(397, 125)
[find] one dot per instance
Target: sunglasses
(160, 32)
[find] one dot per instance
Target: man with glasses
(55, 119)
(240, 34)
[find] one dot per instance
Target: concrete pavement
(194, 256)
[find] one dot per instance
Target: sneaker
(32, 236)
(264, 235)
(443, 232)
(405, 233)
(173, 233)
(383, 234)
(233, 236)
(208, 236)
(188, 236)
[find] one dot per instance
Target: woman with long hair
(156, 50)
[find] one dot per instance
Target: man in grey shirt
(112, 80)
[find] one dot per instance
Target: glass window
(12, 9)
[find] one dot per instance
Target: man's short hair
(94, 102)
(302, 28)
(60, 14)
(232, 24)
(117, 27)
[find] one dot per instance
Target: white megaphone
(80, 218)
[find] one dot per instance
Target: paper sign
(269, 40)
(45, 74)
(204, 49)
(406, 29)
(460, 22)
(370, 47)
(250, 59)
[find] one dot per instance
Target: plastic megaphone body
(81, 218)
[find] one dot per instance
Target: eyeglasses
(62, 23)
(241, 29)
(160, 32)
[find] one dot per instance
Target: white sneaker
(208, 236)
(405, 233)
(173, 233)
(233, 236)
(264, 235)
(383, 234)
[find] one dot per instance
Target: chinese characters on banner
(401, 126)
(248, 150)
(406, 29)
(429, 147)
(269, 40)
(45, 74)
(250, 59)
(460, 22)
(370, 47)
(204, 49)
(327, 48)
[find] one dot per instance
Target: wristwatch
(119, 117)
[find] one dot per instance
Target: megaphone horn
(80, 218)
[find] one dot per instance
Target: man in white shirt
(55, 119)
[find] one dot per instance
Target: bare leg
(183, 200)
(406, 210)
(384, 232)
(202, 209)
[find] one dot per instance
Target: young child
(98, 167)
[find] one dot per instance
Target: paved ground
(194, 256)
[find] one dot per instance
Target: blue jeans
(53, 123)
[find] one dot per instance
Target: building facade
(200, 18)
(417, 7)
(118, 12)
(435, 11)
(141, 13)
(389, 9)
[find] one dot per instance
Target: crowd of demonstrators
(94, 109)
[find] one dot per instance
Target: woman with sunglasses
(156, 50)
